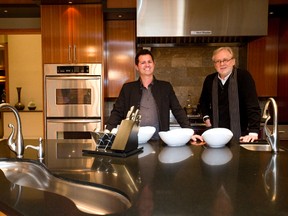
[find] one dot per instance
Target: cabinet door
(72, 34)
(56, 35)
(87, 33)
(263, 60)
(120, 54)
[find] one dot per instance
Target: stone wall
(185, 68)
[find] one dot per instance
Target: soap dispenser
(38, 148)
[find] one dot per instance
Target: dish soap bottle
(188, 107)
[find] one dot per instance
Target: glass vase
(19, 105)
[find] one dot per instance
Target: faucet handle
(39, 148)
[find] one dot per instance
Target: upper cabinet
(120, 53)
(120, 45)
(72, 34)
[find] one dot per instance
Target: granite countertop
(188, 180)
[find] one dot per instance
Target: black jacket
(250, 112)
(164, 95)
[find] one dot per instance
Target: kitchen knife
(135, 115)
(128, 116)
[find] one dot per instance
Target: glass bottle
(3, 96)
(188, 106)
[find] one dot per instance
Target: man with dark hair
(154, 98)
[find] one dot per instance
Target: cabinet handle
(74, 53)
(69, 53)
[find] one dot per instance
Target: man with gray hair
(229, 98)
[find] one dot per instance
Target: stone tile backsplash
(185, 68)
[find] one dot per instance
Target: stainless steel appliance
(71, 128)
(73, 100)
(193, 18)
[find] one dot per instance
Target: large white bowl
(145, 133)
(217, 137)
(176, 137)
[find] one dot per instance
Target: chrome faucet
(17, 145)
(272, 136)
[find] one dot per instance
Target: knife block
(126, 139)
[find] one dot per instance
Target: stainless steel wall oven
(73, 100)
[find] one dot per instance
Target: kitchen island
(188, 180)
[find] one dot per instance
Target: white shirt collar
(223, 81)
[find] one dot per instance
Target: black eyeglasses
(224, 61)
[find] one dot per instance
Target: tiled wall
(185, 68)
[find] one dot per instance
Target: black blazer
(250, 112)
(164, 95)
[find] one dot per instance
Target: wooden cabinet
(72, 34)
(262, 60)
(121, 4)
(120, 54)
(4, 72)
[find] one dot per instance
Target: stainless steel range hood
(189, 21)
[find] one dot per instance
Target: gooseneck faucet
(17, 145)
(272, 136)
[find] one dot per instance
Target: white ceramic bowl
(216, 157)
(174, 155)
(217, 137)
(145, 133)
(176, 137)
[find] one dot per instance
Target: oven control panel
(72, 69)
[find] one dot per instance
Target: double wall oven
(73, 100)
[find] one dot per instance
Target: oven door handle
(73, 120)
(73, 77)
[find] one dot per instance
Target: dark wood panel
(17, 2)
(121, 3)
(283, 72)
(120, 52)
(263, 60)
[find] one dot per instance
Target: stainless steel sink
(87, 198)
(258, 147)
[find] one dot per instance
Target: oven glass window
(73, 135)
(73, 96)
